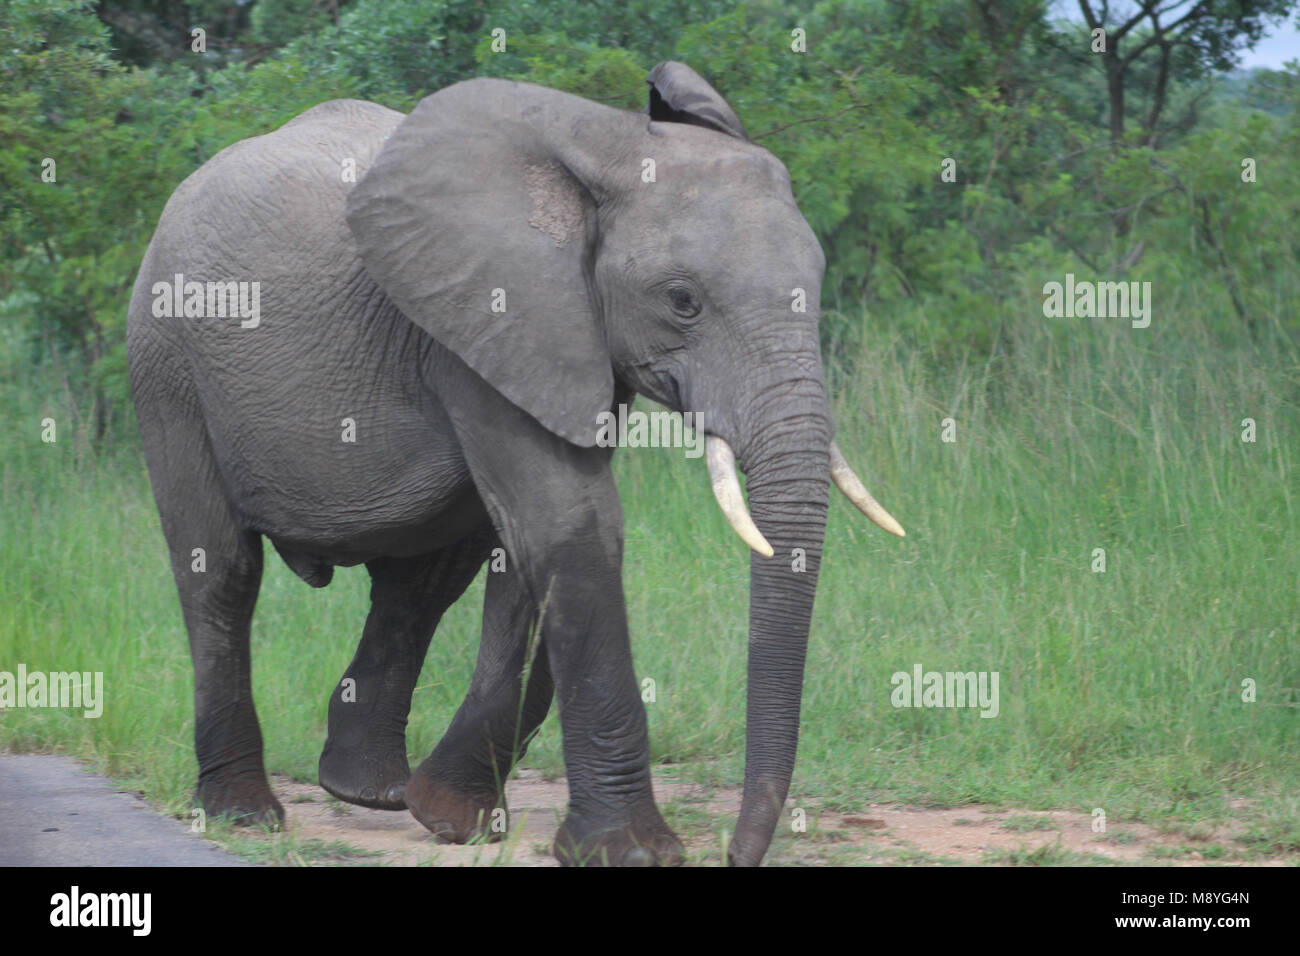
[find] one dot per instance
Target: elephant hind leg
(228, 740)
(364, 758)
(458, 792)
(217, 566)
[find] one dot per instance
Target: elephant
(386, 339)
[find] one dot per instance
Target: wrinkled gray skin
(476, 429)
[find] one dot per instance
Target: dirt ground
(325, 831)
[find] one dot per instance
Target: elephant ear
(477, 220)
(680, 95)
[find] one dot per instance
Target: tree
(1188, 38)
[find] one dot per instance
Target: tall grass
(1120, 689)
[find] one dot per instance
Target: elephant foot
(453, 815)
(359, 775)
(649, 843)
(245, 801)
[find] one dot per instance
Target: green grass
(1120, 690)
(1049, 854)
(1207, 852)
(1024, 822)
(283, 848)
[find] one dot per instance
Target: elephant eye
(683, 302)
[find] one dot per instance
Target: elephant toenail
(639, 857)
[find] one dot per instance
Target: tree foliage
(949, 154)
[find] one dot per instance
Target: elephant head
(564, 249)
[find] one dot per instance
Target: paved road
(54, 813)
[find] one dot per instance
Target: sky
(1282, 42)
(1274, 50)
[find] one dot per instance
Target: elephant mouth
(721, 462)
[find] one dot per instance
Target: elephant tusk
(726, 488)
(851, 485)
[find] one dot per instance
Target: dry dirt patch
(880, 834)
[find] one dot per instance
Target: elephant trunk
(788, 477)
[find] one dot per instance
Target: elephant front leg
(364, 759)
(458, 792)
(612, 818)
(581, 639)
(556, 509)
